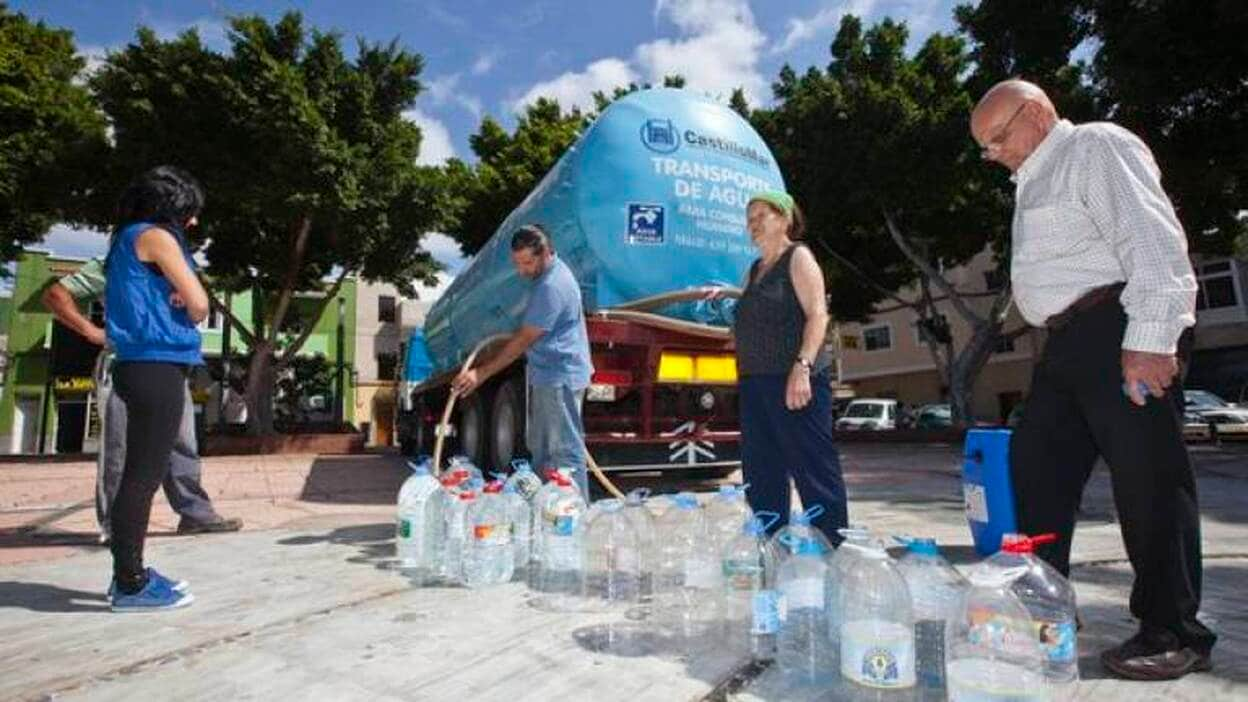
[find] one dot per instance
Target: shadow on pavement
(375, 543)
(42, 597)
(354, 480)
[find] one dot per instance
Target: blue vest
(140, 323)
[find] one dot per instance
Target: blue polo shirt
(561, 355)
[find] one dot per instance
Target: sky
(490, 57)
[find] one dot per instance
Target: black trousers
(778, 444)
(154, 394)
(1076, 411)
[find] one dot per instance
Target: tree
(877, 149)
(309, 165)
(51, 134)
(1176, 73)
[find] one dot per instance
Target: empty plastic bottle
(799, 529)
(877, 628)
(936, 590)
(750, 603)
(802, 649)
(461, 462)
(726, 513)
(456, 534)
(420, 527)
(1049, 598)
(638, 512)
(561, 565)
(489, 557)
(520, 516)
(612, 558)
(523, 480)
(992, 653)
(687, 572)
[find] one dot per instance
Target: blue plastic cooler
(986, 489)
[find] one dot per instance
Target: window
(387, 309)
(1217, 286)
(387, 366)
(937, 327)
(1005, 344)
(878, 338)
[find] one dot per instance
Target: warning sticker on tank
(976, 502)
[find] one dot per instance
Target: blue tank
(650, 199)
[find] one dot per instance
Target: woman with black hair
(153, 301)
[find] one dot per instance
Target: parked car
(869, 414)
(1195, 428)
(933, 417)
(1227, 423)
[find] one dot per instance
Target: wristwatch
(804, 364)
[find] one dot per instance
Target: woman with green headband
(785, 389)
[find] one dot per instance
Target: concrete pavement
(304, 604)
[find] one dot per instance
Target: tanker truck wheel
(507, 429)
(472, 427)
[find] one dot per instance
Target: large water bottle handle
(746, 486)
(767, 519)
(813, 512)
(520, 464)
(642, 493)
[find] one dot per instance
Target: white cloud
(435, 144)
(94, 56)
(826, 20)
(444, 90)
(717, 49)
(484, 63)
(444, 250)
(64, 240)
(578, 88)
(431, 293)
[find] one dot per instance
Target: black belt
(1088, 300)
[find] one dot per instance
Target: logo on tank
(660, 135)
(645, 223)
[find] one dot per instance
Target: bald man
(1099, 259)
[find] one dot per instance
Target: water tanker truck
(647, 208)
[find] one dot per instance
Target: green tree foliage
(51, 133)
(306, 156)
(877, 150)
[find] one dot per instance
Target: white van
(869, 414)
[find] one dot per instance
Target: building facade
(47, 404)
(385, 320)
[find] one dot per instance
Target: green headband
(776, 198)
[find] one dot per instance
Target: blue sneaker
(175, 585)
(155, 583)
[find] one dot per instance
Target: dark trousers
(154, 394)
(778, 444)
(1076, 411)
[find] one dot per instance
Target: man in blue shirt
(553, 337)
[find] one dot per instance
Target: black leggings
(154, 394)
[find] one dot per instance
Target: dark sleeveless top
(769, 322)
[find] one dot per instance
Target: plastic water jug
(804, 652)
(799, 530)
(750, 602)
(636, 508)
(489, 556)
(877, 628)
(687, 571)
(854, 539)
(612, 558)
(523, 480)
(456, 535)
(461, 462)
(726, 513)
(986, 489)
(561, 567)
(936, 591)
(1050, 600)
(548, 491)
(520, 516)
(420, 529)
(992, 653)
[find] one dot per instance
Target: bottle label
(405, 529)
(878, 654)
(1058, 640)
(564, 525)
(481, 532)
(765, 607)
(803, 593)
(742, 575)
